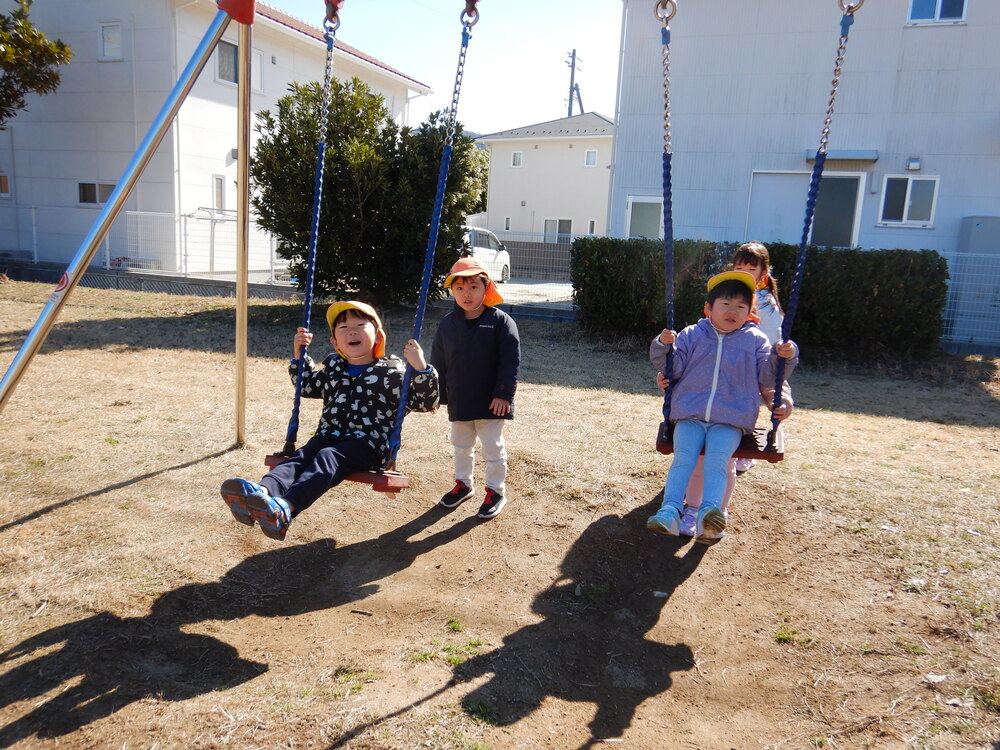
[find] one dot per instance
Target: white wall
(552, 182)
(749, 88)
(88, 130)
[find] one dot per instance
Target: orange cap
(472, 267)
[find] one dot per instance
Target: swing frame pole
(243, 84)
(116, 201)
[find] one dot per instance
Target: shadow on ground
(112, 661)
(591, 646)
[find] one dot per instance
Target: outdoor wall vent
(913, 164)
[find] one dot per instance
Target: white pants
(490, 434)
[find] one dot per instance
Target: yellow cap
(338, 307)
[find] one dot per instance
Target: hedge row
(863, 301)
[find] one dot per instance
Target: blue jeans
(719, 441)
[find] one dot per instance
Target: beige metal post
(244, 86)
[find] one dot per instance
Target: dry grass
(855, 603)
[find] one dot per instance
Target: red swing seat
(751, 446)
(383, 480)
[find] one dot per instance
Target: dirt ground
(854, 603)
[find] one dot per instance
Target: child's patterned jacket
(364, 406)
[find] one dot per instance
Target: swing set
(244, 11)
(763, 444)
(386, 479)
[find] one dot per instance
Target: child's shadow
(591, 646)
(116, 661)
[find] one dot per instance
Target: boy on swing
(360, 388)
(720, 365)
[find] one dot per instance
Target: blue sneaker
(666, 521)
(274, 514)
(689, 521)
(711, 526)
(235, 492)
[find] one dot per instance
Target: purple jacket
(717, 377)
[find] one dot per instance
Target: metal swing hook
(470, 15)
(665, 10)
(333, 13)
(849, 8)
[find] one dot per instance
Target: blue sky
(516, 72)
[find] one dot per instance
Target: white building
(60, 159)
(913, 150)
(550, 179)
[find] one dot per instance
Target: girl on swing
(720, 365)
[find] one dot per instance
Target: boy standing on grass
(360, 388)
(477, 353)
(720, 365)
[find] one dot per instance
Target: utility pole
(574, 88)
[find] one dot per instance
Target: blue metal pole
(78, 265)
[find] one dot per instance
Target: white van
(484, 246)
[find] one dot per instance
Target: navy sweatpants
(317, 466)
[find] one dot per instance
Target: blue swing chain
(665, 10)
(330, 26)
(817, 175)
(469, 18)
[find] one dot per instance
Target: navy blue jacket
(476, 363)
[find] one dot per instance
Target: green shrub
(863, 301)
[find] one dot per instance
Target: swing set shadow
(117, 661)
(591, 646)
(35, 515)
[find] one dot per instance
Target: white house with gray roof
(552, 178)
(60, 159)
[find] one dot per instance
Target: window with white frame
(592, 226)
(644, 216)
(109, 42)
(516, 158)
(506, 223)
(95, 193)
(227, 57)
(590, 157)
(936, 11)
(218, 192)
(557, 231)
(4, 186)
(908, 200)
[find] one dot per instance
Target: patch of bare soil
(853, 604)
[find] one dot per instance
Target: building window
(506, 223)
(644, 217)
(4, 186)
(936, 11)
(227, 69)
(908, 200)
(95, 193)
(590, 158)
(516, 157)
(558, 231)
(218, 192)
(592, 226)
(109, 42)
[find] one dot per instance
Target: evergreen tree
(378, 192)
(28, 61)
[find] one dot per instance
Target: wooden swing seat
(382, 480)
(751, 446)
